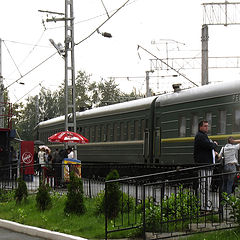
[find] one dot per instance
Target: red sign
(27, 152)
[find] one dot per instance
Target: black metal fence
(171, 204)
(158, 206)
(54, 176)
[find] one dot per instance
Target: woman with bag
(230, 154)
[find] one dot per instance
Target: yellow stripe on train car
(191, 139)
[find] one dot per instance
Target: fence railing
(162, 205)
(55, 177)
(170, 204)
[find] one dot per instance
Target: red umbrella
(68, 136)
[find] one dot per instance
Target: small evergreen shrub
(43, 197)
(112, 198)
(126, 203)
(21, 191)
(75, 199)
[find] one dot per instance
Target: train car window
(209, 119)
(103, 134)
(142, 129)
(92, 134)
(108, 130)
(182, 127)
(87, 133)
(194, 125)
(121, 131)
(115, 135)
(222, 121)
(136, 129)
(237, 120)
(129, 130)
(98, 134)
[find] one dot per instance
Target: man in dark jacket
(204, 148)
(204, 153)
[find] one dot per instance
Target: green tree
(89, 94)
(83, 94)
(21, 191)
(75, 200)
(43, 198)
(112, 198)
(27, 120)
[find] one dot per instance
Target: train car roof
(119, 108)
(198, 93)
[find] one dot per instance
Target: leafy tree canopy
(49, 104)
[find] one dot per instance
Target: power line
(12, 58)
(39, 84)
(30, 70)
(167, 65)
(29, 44)
(91, 18)
(30, 52)
(102, 23)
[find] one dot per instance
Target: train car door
(157, 144)
(146, 146)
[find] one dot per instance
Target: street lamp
(105, 34)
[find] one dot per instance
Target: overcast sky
(26, 42)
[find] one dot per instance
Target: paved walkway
(16, 231)
(6, 234)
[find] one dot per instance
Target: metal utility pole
(37, 110)
(216, 14)
(68, 55)
(70, 89)
(204, 39)
(70, 114)
(148, 93)
(1, 89)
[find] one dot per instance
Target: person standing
(70, 153)
(230, 154)
(204, 154)
(41, 159)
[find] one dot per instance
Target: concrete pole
(148, 92)
(1, 90)
(70, 89)
(205, 38)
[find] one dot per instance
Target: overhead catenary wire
(28, 44)
(11, 57)
(105, 8)
(88, 19)
(167, 65)
(39, 84)
(102, 23)
(31, 70)
(34, 46)
(30, 52)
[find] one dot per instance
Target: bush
(75, 203)
(181, 206)
(126, 203)
(21, 191)
(234, 202)
(6, 196)
(112, 199)
(43, 197)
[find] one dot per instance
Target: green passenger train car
(155, 131)
(115, 132)
(177, 116)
